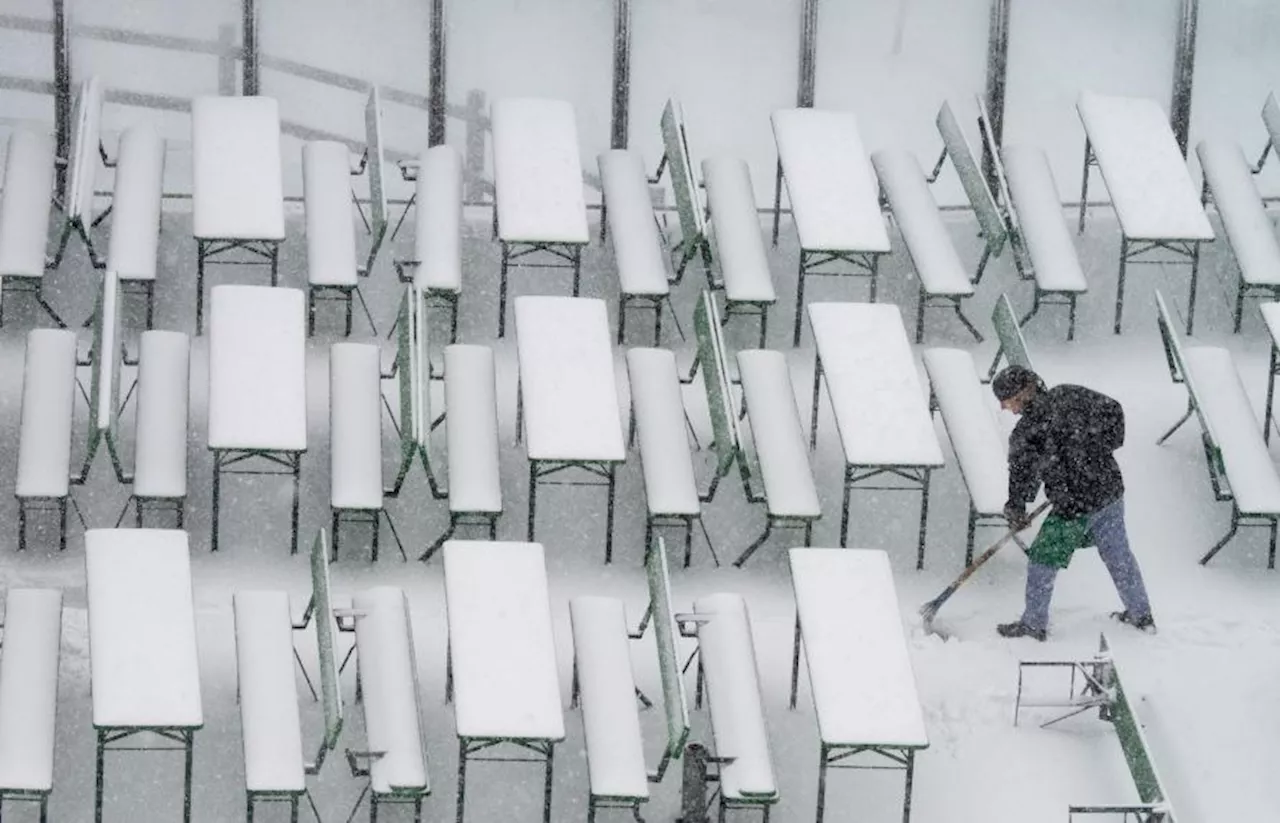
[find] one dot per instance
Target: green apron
(1058, 539)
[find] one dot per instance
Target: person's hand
(1017, 516)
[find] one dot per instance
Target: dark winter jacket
(1065, 439)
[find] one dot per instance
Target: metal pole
(1184, 60)
(808, 53)
(997, 73)
(621, 72)
(62, 90)
(249, 38)
(436, 116)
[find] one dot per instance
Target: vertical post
(808, 54)
(62, 90)
(1184, 61)
(621, 73)
(249, 40)
(437, 112)
(473, 159)
(997, 73)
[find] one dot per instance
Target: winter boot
(1020, 629)
(1145, 623)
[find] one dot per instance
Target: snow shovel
(930, 610)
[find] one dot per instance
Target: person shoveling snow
(1065, 438)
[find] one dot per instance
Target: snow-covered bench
(627, 211)
(355, 441)
(435, 268)
(832, 189)
(737, 240)
(471, 431)
(604, 684)
(29, 695)
(274, 764)
(943, 279)
(1012, 348)
(864, 690)
(731, 245)
(1228, 180)
(658, 417)
(781, 462)
(134, 247)
(1156, 204)
(728, 669)
(81, 171)
(539, 206)
(44, 437)
(979, 444)
(395, 736)
(1240, 468)
(330, 232)
(1095, 684)
(24, 216)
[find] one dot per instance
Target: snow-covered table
(237, 185)
(864, 690)
(1129, 139)
(880, 408)
(502, 673)
(539, 205)
(834, 197)
(144, 667)
(257, 385)
(567, 398)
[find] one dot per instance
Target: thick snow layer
(257, 369)
(537, 172)
(502, 645)
(164, 389)
(437, 240)
(135, 204)
(268, 695)
(1244, 217)
(331, 239)
(567, 379)
(355, 426)
(24, 205)
(29, 688)
(142, 634)
(735, 227)
(1037, 203)
(914, 210)
(881, 409)
(48, 402)
(637, 244)
(670, 486)
(781, 450)
(470, 390)
(968, 413)
(829, 180)
(864, 692)
(1145, 174)
(237, 178)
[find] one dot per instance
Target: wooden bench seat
(727, 664)
(604, 684)
(637, 241)
(24, 212)
(471, 423)
(976, 438)
(392, 708)
(29, 694)
(160, 453)
(274, 764)
(790, 493)
(1042, 233)
(1240, 468)
(738, 241)
(355, 438)
(933, 254)
(1252, 237)
(44, 439)
(331, 235)
(658, 418)
(133, 250)
(437, 240)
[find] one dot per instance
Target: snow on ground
(1206, 680)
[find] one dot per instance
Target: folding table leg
(533, 497)
(777, 200)
(1124, 258)
(817, 387)
(1191, 300)
(502, 291)
(795, 663)
(795, 335)
(99, 776)
(822, 783)
(200, 255)
(608, 537)
(297, 483)
(189, 740)
(550, 782)
(1084, 185)
(462, 777)
(906, 800)
(924, 518)
(844, 508)
(217, 488)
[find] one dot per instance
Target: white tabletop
(238, 192)
(537, 172)
(566, 376)
(142, 631)
(832, 187)
(864, 690)
(257, 369)
(881, 409)
(1145, 173)
(505, 679)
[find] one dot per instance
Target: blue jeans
(1106, 526)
